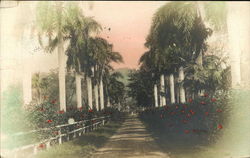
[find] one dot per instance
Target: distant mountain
(125, 72)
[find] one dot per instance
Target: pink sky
(130, 23)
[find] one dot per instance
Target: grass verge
(84, 145)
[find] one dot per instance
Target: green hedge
(206, 114)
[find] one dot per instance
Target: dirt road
(131, 141)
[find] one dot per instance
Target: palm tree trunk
(61, 75)
(108, 104)
(182, 90)
(89, 87)
(201, 12)
(119, 106)
(178, 94)
(234, 44)
(78, 91)
(237, 19)
(172, 93)
(156, 95)
(163, 98)
(101, 94)
(96, 97)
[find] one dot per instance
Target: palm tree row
(176, 53)
(176, 39)
(177, 43)
(88, 56)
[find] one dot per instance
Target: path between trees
(131, 140)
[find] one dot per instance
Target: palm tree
(149, 63)
(23, 23)
(73, 26)
(103, 55)
(115, 89)
(222, 16)
(178, 31)
(230, 21)
(80, 50)
(96, 85)
(171, 83)
(50, 21)
(140, 87)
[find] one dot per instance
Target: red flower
(49, 121)
(186, 131)
(56, 132)
(80, 108)
(90, 110)
(205, 95)
(41, 146)
(203, 103)
(190, 100)
(213, 100)
(53, 101)
(218, 110)
(61, 112)
(206, 113)
(192, 112)
(176, 106)
(219, 126)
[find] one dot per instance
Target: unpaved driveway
(131, 141)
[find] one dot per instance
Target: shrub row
(205, 114)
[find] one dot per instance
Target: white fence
(65, 133)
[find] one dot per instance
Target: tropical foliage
(177, 38)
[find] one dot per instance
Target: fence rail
(64, 131)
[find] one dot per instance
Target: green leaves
(116, 88)
(211, 76)
(177, 36)
(50, 19)
(140, 87)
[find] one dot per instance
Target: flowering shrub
(206, 114)
(47, 115)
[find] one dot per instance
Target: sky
(129, 23)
